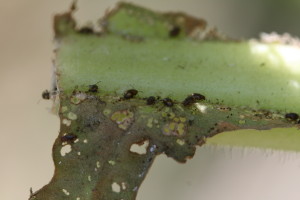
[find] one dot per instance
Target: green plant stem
(246, 84)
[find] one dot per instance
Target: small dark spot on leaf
(132, 38)
(224, 108)
(190, 122)
(181, 67)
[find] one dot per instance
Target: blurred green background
(27, 130)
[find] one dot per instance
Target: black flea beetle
(130, 94)
(68, 138)
(189, 101)
(93, 88)
(86, 30)
(174, 32)
(198, 96)
(192, 99)
(168, 102)
(292, 116)
(151, 100)
(46, 95)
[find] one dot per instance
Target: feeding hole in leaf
(66, 122)
(98, 164)
(140, 148)
(180, 142)
(123, 186)
(112, 162)
(66, 192)
(202, 108)
(78, 97)
(123, 118)
(116, 187)
(72, 116)
(65, 149)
